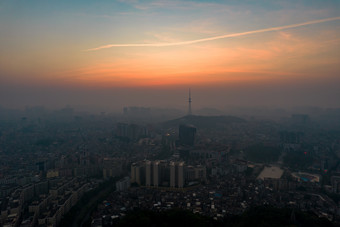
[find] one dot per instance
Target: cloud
(214, 37)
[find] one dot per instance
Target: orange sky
(47, 44)
(280, 55)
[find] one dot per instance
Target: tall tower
(189, 110)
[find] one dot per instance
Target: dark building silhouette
(291, 137)
(122, 130)
(131, 131)
(187, 135)
(300, 119)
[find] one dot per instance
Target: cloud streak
(214, 37)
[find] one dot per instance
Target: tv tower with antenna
(189, 110)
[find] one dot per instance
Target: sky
(111, 54)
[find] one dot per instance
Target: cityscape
(222, 166)
(165, 113)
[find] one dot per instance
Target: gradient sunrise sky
(131, 52)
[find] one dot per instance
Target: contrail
(215, 37)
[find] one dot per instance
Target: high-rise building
(187, 135)
(133, 173)
(190, 173)
(123, 184)
(122, 130)
(132, 132)
(180, 175)
(172, 174)
(156, 173)
(164, 173)
(148, 173)
(300, 119)
(200, 172)
(177, 174)
(138, 173)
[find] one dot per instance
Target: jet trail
(215, 37)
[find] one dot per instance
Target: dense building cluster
(216, 166)
(45, 202)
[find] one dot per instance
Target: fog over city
(283, 94)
